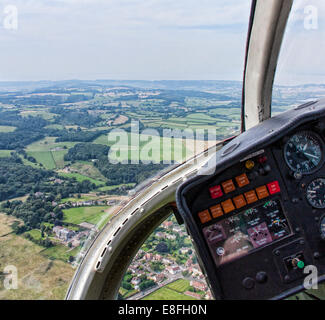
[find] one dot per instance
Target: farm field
(180, 285)
(60, 252)
(5, 153)
(147, 148)
(86, 214)
(7, 129)
(38, 277)
(79, 177)
(44, 157)
(166, 293)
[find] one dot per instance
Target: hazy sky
(133, 39)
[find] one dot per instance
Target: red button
(274, 187)
(216, 192)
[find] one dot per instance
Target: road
(144, 293)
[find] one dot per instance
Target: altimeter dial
(303, 152)
(316, 193)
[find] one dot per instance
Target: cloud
(126, 38)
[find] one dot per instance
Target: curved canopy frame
(106, 261)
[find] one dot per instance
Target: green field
(49, 153)
(44, 157)
(48, 144)
(5, 153)
(180, 285)
(92, 215)
(146, 147)
(35, 234)
(7, 129)
(165, 293)
(79, 177)
(110, 188)
(60, 252)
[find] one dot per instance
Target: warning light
(250, 164)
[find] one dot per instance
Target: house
(177, 229)
(196, 270)
(184, 250)
(159, 277)
(148, 256)
(75, 243)
(157, 257)
(160, 235)
(39, 194)
(63, 233)
(198, 285)
(173, 269)
(170, 236)
(136, 282)
(166, 261)
(188, 263)
(167, 224)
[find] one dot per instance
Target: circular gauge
(322, 227)
(316, 193)
(303, 152)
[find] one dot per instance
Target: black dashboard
(257, 213)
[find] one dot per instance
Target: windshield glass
(95, 99)
(300, 75)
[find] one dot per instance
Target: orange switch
(251, 196)
(262, 192)
(239, 201)
(242, 180)
(216, 211)
(228, 186)
(228, 206)
(204, 216)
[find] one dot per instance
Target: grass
(45, 158)
(180, 285)
(87, 169)
(7, 129)
(110, 188)
(5, 153)
(39, 277)
(85, 214)
(166, 293)
(60, 252)
(48, 144)
(79, 177)
(35, 234)
(146, 147)
(58, 157)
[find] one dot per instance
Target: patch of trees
(47, 243)
(18, 139)
(146, 283)
(17, 179)
(74, 135)
(34, 211)
(29, 129)
(86, 151)
(126, 173)
(78, 118)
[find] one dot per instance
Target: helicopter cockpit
(254, 205)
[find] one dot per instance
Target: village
(162, 268)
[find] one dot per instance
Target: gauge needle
(311, 155)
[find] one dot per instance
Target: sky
(142, 40)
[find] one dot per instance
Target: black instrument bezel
(322, 146)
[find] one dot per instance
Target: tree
(162, 247)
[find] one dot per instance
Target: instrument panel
(260, 218)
